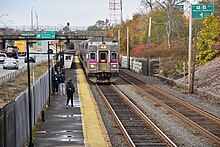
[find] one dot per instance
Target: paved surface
(62, 126)
(79, 126)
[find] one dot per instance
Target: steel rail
(125, 134)
(146, 119)
(139, 113)
(178, 114)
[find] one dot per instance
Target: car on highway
(10, 63)
(3, 56)
(32, 59)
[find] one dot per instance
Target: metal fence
(12, 75)
(14, 117)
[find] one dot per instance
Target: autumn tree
(99, 25)
(208, 37)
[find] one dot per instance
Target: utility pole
(194, 62)
(190, 52)
(148, 48)
(128, 50)
(119, 36)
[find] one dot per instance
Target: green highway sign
(180, 8)
(201, 10)
(27, 35)
(45, 35)
(39, 43)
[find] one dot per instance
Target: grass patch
(9, 91)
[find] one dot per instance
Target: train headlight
(114, 66)
(92, 66)
(103, 46)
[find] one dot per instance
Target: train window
(68, 57)
(114, 56)
(92, 56)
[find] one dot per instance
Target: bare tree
(167, 5)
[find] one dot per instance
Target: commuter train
(100, 58)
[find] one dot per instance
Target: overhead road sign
(27, 35)
(202, 10)
(180, 8)
(45, 35)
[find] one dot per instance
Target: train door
(103, 61)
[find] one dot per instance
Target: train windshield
(92, 56)
(114, 56)
(103, 56)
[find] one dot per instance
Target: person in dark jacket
(55, 81)
(70, 89)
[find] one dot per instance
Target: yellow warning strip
(95, 134)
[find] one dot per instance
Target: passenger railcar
(100, 58)
(68, 58)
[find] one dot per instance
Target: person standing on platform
(55, 81)
(62, 86)
(70, 89)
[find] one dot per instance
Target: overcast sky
(59, 12)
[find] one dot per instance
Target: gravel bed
(116, 138)
(207, 77)
(181, 134)
(210, 106)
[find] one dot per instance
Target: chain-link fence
(14, 117)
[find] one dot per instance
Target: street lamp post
(56, 55)
(61, 58)
(29, 96)
(36, 19)
(48, 52)
(2, 21)
(32, 20)
(3, 15)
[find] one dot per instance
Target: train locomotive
(100, 59)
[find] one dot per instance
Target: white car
(3, 56)
(10, 63)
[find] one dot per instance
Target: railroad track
(135, 126)
(206, 123)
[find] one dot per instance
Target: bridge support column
(2, 44)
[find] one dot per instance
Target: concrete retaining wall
(139, 65)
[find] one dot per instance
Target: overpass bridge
(42, 35)
(58, 35)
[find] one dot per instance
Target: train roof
(102, 39)
(69, 51)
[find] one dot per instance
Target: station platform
(76, 126)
